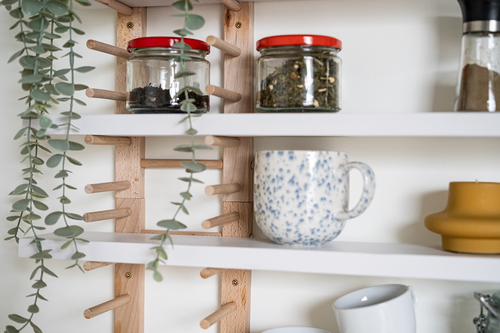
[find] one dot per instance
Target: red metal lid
(166, 42)
(285, 40)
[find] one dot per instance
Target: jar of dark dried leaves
(154, 77)
(298, 73)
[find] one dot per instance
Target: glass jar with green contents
(298, 73)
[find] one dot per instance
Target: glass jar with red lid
(152, 85)
(298, 73)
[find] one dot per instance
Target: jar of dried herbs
(298, 73)
(155, 75)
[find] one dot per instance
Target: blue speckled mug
(301, 197)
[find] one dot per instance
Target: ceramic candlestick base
(471, 221)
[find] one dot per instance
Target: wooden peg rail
(106, 94)
(107, 140)
(119, 7)
(109, 49)
(222, 189)
(232, 4)
(208, 272)
(107, 187)
(225, 94)
(225, 47)
(107, 214)
(175, 164)
(217, 316)
(91, 265)
(224, 141)
(220, 220)
(107, 306)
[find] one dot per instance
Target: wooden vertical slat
(129, 279)
(238, 77)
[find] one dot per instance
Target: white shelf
(344, 258)
(156, 3)
(445, 124)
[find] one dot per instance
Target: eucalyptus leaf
(42, 255)
(74, 216)
(37, 190)
(33, 274)
(186, 195)
(184, 148)
(11, 329)
(171, 224)
(52, 218)
(65, 88)
(57, 8)
(182, 4)
(20, 133)
(61, 145)
(188, 107)
(83, 2)
(70, 231)
(183, 73)
(183, 32)
(18, 319)
(202, 147)
(21, 205)
(35, 78)
(194, 180)
(45, 122)
(194, 166)
(40, 205)
(66, 245)
(191, 131)
(48, 271)
(75, 146)
(194, 22)
(73, 161)
(15, 55)
(38, 49)
(84, 69)
(161, 253)
(157, 276)
(21, 189)
(61, 174)
(31, 7)
(36, 329)
(78, 255)
(54, 160)
(39, 95)
(33, 308)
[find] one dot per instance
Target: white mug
(386, 308)
(301, 198)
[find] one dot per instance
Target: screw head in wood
(235, 282)
(238, 25)
(128, 275)
(130, 25)
(252, 165)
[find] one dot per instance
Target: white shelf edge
(342, 258)
(431, 124)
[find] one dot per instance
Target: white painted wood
(343, 258)
(438, 124)
(156, 3)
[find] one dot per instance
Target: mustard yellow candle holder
(471, 221)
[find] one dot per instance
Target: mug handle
(368, 189)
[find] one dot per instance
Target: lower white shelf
(344, 258)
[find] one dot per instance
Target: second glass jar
(153, 79)
(298, 73)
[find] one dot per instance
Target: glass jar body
(478, 87)
(298, 79)
(152, 86)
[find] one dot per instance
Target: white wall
(399, 56)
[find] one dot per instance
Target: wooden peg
(106, 187)
(119, 7)
(220, 220)
(222, 189)
(225, 141)
(208, 272)
(218, 315)
(227, 95)
(224, 46)
(107, 214)
(106, 94)
(91, 265)
(107, 140)
(232, 4)
(107, 306)
(109, 49)
(156, 164)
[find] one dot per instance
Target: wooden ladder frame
(234, 313)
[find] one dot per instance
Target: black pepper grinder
(478, 87)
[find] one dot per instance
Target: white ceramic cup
(295, 330)
(386, 308)
(301, 198)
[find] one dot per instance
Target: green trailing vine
(40, 23)
(191, 22)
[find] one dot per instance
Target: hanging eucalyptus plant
(191, 22)
(46, 29)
